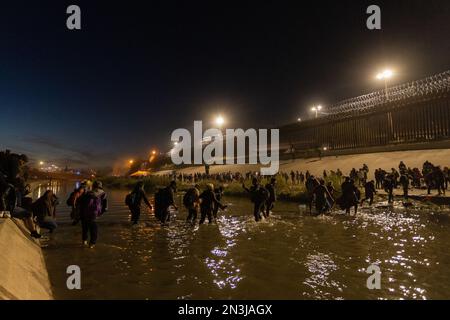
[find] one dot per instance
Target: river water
(290, 256)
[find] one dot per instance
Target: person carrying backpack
(164, 199)
(134, 200)
(73, 203)
(208, 201)
(258, 195)
(219, 194)
(92, 205)
(272, 198)
(191, 201)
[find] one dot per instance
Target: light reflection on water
(290, 256)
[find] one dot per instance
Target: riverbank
(23, 273)
(384, 160)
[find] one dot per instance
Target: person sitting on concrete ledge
(5, 191)
(25, 212)
(44, 209)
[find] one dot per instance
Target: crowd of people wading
(89, 201)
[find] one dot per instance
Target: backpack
(92, 206)
(263, 194)
(130, 199)
(189, 198)
(159, 199)
(71, 200)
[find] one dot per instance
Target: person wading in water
(311, 184)
(207, 201)
(258, 195)
(350, 196)
(323, 198)
(92, 205)
(270, 187)
(219, 194)
(164, 200)
(134, 201)
(191, 201)
(369, 192)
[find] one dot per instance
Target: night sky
(138, 70)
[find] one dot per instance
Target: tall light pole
(385, 75)
(316, 109)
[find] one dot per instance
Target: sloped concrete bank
(384, 160)
(23, 273)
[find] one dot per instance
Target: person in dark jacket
(270, 187)
(323, 198)
(164, 199)
(369, 192)
(74, 203)
(404, 181)
(92, 205)
(207, 202)
(258, 195)
(44, 209)
(135, 202)
(219, 194)
(25, 211)
(389, 184)
(350, 196)
(311, 183)
(5, 191)
(191, 201)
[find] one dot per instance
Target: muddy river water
(290, 256)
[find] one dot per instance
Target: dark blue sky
(139, 69)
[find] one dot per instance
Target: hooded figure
(44, 209)
(259, 196)
(191, 201)
(92, 205)
(134, 201)
(208, 201)
(164, 199)
(270, 187)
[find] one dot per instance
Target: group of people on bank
(16, 200)
(16, 197)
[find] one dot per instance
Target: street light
(41, 163)
(131, 161)
(220, 121)
(299, 119)
(385, 75)
(316, 110)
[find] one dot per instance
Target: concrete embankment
(23, 274)
(384, 160)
